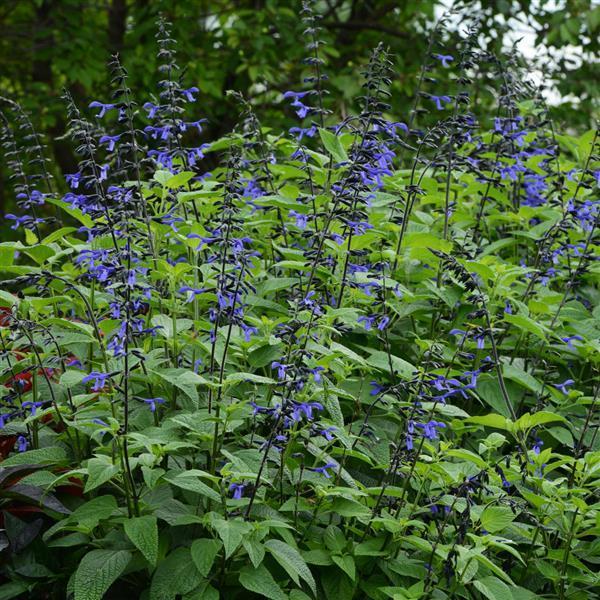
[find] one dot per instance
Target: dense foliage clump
(358, 359)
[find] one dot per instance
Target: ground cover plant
(356, 359)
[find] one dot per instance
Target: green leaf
(97, 571)
(100, 470)
(176, 575)
(260, 581)
(143, 533)
(232, 532)
(236, 377)
(12, 589)
(8, 300)
(178, 180)
(84, 219)
(521, 377)
(189, 481)
(289, 558)
(523, 322)
(204, 552)
(88, 515)
(254, 548)
(496, 518)
(53, 455)
(162, 177)
(184, 380)
(491, 420)
(333, 145)
(527, 421)
(494, 568)
(380, 360)
(492, 588)
(346, 564)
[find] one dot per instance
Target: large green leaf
(97, 571)
(291, 560)
(175, 575)
(260, 581)
(100, 470)
(204, 552)
(143, 532)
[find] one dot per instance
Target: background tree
(255, 46)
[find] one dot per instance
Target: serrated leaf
(346, 564)
(491, 420)
(184, 380)
(54, 455)
(178, 180)
(97, 571)
(176, 575)
(143, 533)
(232, 532)
(260, 581)
(527, 421)
(380, 360)
(252, 377)
(333, 145)
(193, 484)
(100, 470)
(496, 518)
(289, 558)
(204, 552)
(492, 588)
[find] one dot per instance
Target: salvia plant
(354, 359)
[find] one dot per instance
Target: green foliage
(342, 375)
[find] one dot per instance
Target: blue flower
(196, 154)
(377, 388)
(306, 409)
(383, 323)
(151, 108)
(300, 132)
(191, 292)
(33, 406)
(458, 332)
(445, 59)
(326, 433)
(110, 141)
(359, 227)
(323, 470)
(152, 402)
(439, 99)
(569, 340)
(104, 108)
(564, 385)
(316, 372)
(98, 378)
(238, 490)
(198, 125)
(22, 443)
(189, 93)
(301, 219)
(367, 320)
(103, 173)
(430, 429)
(281, 369)
(249, 331)
(302, 109)
(24, 221)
